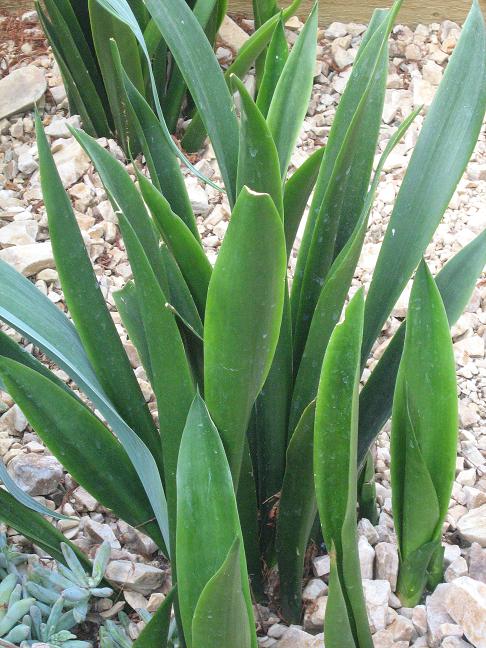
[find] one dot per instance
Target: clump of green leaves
(236, 360)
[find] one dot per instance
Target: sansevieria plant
(223, 479)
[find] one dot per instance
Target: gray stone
(314, 615)
(477, 562)
(231, 34)
(437, 615)
(314, 589)
(387, 563)
(36, 474)
(472, 526)
(321, 565)
(456, 569)
(29, 259)
(20, 89)
(365, 528)
(101, 533)
(366, 558)
(295, 637)
(377, 593)
(465, 602)
(19, 233)
(137, 577)
(454, 642)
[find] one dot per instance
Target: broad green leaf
(450, 132)
(297, 513)
(127, 305)
(424, 424)
(412, 576)
(85, 447)
(104, 27)
(254, 46)
(28, 311)
(188, 253)
(333, 294)
(455, 282)
(86, 304)
(291, 97)
(275, 59)
(258, 167)
(204, 78)
(243, 317)
(171, 375)
(33, 526)
(335, 469)
(341, 205)
(297, 190)
(126, 199)
(337, 622)
(156, 631)
(221, 617)
(207, 517)
(164, 167)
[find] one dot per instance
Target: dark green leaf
(275, 59)
(85, 447)
(86, 303)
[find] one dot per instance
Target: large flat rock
(20, 89)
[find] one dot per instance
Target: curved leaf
(243, 317)
(220, 617)
(85, 447)
(207, 517)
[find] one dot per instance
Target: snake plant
(222, 479)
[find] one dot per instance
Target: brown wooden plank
(413, 11)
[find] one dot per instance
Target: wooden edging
(413, 11)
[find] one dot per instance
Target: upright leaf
(207, 521)
(258, 167)
(275, 60)
(424, 431)
(243, 317)
(341, 205)
(292, 93)
(220, 617)
(455, 282)
(171, 375)
(335, 444)
(450, 132)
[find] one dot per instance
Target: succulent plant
(12, 610)
(40, 605)
(9, 558)
(71, 582)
